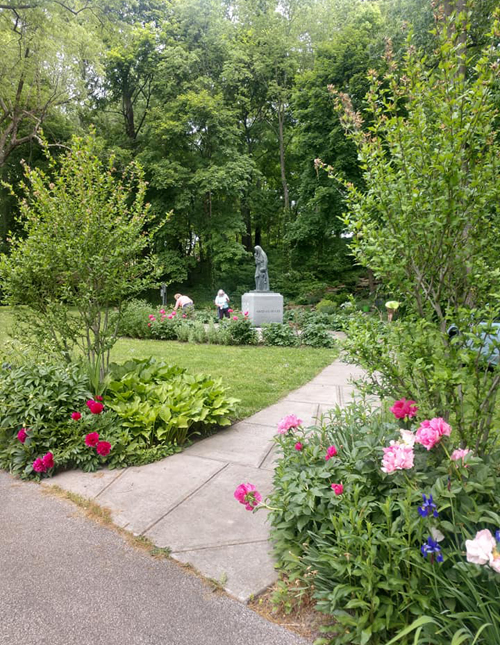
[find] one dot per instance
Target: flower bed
(383, 522)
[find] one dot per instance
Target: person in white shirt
(222, 304)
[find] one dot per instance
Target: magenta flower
(162, 311)
(22, 435)
(459, 453)
(76, 416)
(151, 317)
(170, 316)
(299, 446)
(48, 460)
(397, 457)
(230, 311)
(103, 448)
(338, 489)
(290, 421)
(245, 313)
(99, 398)
(95, 406)
(331, 451)
(92, 439)
(184, 315)
(403, 408)
(235, 317)
(248, 495)
(38, 465)
(174, 313)
(149, 324)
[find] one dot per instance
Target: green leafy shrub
(352, 535)
(197, 333)
(134, 320)
(163, 404)
(316, 335)
(239, 331)
(279, 335)
(326, 307)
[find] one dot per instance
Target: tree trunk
(281, 119)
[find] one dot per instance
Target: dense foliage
(373, 552)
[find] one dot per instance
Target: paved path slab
(185, 502)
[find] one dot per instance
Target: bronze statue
(261, 275)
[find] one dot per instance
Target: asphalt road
(65, 580)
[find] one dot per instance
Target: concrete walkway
(185, 502)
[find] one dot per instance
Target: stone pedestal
(263, 307)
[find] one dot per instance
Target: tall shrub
(427, 224)
(82, 252)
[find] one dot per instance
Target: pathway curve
(185, 502)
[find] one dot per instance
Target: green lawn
(258, 376)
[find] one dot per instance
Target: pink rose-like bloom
(95, 407)
(331, 451)
(397, 457)
(338, 489)
(48, 460)
(162, 311)
(459, 453)
(404, 408)
(22, 435)
(151, 317)
(92, 439)
(430, 432)
(290, 421)
(230, 311)
(38, 466)
(235, 317)
(174, 313)
(480, 549)
(184, 315)
(99, 398)
(170, 316)
(248, 495)
(76, 416)
(245, 313)
(149, 324)
(298, 446)
(103, 448)
(441, 426)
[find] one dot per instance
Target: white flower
(479, 550)
(408, 438)
(495, 560)
(436, 534)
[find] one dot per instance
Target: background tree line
(225, 105)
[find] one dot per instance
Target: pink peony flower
(48, 460)
(151, 317)
(162, 311)
(92, 439)
(103, 448)
(235, 317)
(230, 311)
(38, 465)
(149, 324)
(338, 489)
(430, 432)
(95, 407)
(459, 453)
(245, 313)
(248, 495)
(404, 408)
(22, 435)
(298, 446)
(99, 398)
(397, 457)
(170, 316)
(331, 451)
(76, 416)
(174, 313)
(479, 550)
(441, 426)
(288, 422)
(184, 315)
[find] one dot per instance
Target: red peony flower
(103, 448)
(99, 398)
(22, 435)
(95, 407)
(331, 451)
(404, 408)
(92, 439)
(38, 465)
(338, 489)
(48, 460)
(76, 416)
(299, 446)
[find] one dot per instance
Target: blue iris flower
(431, 547)
(428, 507)
(497, 535)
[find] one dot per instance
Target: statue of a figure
(261, 275)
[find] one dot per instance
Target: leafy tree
(83, 249)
